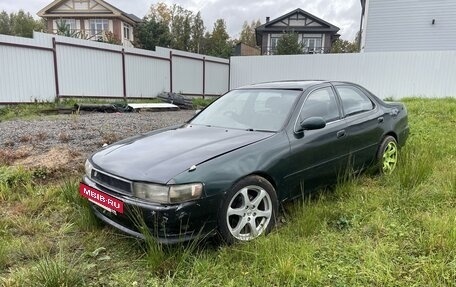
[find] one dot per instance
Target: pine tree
(151, 33)
(219, 41)
(197, 33)
(289, 44)
(5, 23)
(248, 33)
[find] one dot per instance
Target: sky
(344, 14)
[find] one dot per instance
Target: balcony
(82, 34)
(306, 50)
(94, 35)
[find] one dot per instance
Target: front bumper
(167, 223)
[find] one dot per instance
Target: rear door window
(354, 101)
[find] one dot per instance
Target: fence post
(171, 71)
(124, 76)
(56, 74)
(229, 73)
(204, 77)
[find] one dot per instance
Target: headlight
(151, 192)
(186, 192)
(167, 194)
(88, 168)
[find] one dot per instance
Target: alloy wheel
(389, 158)
(249, 213)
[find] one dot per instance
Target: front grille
(112, 182)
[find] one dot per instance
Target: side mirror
(312, 123)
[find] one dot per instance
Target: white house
(408, 25)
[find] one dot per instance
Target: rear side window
(353, 100)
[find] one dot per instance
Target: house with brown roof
(315, 34)
(90, 19)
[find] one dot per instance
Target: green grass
(370, 230)
(199, 103)
(24, 110)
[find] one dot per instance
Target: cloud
(343, 13)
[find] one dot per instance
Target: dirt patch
(57, 158)
(10, 155)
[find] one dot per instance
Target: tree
(206, 44)
(63, 29)
(168, 26)
(161, 13)
(186, 31)
(197, 34)
(344, 46)
(248, 33)
(220, 46)
(110, 38)
(181, 28)
(5, 23)
(180, 22)
(23, 24)
(151, 33)
(289, 44)
(19, 24)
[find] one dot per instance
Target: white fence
(48, 67)
(392, 74)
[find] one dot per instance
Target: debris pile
(101, 108)
(124, 108)
(177, 99)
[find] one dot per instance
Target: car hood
(158, 157)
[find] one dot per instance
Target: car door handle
(340, 133)
(380, 119)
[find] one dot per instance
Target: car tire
(387, 155)
(248, 211)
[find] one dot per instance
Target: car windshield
(259, 110)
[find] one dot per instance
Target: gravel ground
(74, 137)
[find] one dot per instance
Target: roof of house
(268, 26)
(116, 11)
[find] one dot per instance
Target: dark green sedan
(227, 169)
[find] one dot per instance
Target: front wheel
(387, 155)
(248, 211)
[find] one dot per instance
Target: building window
(127, 31)
(98, 26)
(312, 44)
(67, 25)
(273, 44)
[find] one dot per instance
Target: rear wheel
(248, 211)
(387, 155)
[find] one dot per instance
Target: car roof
(292, 85)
